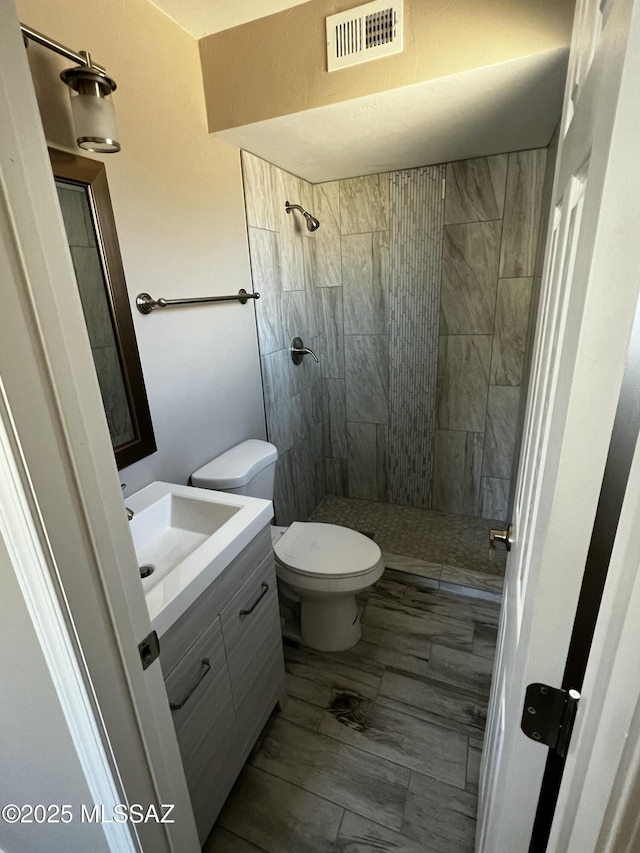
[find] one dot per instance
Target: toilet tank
(246, 469)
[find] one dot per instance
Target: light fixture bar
(51, 44)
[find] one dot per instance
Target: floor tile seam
(461, 691)
(242, 838)
(448, 724)
(334, 686)
(327, 800)
(306, 790)
(399, 763)
(417, 827)
(398, 832)
(418, 611)
(448, 785)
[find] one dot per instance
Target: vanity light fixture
(90, 88)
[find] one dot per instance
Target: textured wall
(418, 308)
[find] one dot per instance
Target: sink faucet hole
(147, 570)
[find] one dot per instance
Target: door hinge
(548, 716)
(149, 649)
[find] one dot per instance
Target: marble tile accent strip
(510, 334)
(475, 189)
(471, 257)
(525, 179)
(367, 784)
(365, 281)
(283, 816)
(463, 381)
(502, 421)
(367, 374)
(364, 204)
(415, 261)
(326, 207)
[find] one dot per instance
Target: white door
(587, 304)
(80, 610)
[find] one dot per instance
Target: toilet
(320, 567)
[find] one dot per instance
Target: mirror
(91, 233)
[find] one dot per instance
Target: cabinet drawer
(253, 642)
(205, 723)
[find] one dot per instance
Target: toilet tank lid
(236, 466)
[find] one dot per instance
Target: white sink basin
(185, 537)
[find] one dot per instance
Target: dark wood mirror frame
(91, 175)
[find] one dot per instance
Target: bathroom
(182, 226)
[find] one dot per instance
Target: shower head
(312, 222)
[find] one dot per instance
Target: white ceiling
(509, 106)
(203, 17)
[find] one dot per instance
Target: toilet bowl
(324, 567)
(320, 567)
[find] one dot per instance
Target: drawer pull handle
(206, 666)
(265, 590)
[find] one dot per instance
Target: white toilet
(321, 567)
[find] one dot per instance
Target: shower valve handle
(299, 350)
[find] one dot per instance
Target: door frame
(70, 480)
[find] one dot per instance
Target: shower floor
(438, 545)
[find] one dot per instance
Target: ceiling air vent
(365, 33)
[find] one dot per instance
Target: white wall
(179, 210)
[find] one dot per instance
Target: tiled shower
(415, 295)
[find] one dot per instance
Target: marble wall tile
(457, 471)
(510, 334)
(336, 477)
(366, 447)
(326, 208)
(76, 215)
(277, 397)
(283, 816)
(494, 498)
(292, 272)
(471, 255)
(332, 361)
(88, 269)
(365, 281)
(502, 421)
(522, 209)
(475, 189)
(367, 374)
(463, 381)
(265, 274)
(335, 418)
(364, 204)
(294, 316)
(114, 397)
(284, 490)
(259, 192)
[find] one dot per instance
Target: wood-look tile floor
(378, 748)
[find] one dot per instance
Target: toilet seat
(312, 549)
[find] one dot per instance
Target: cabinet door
(253, 640)
(203, 713)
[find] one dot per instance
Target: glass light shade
(94, 118)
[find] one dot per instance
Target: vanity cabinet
(224, 672)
